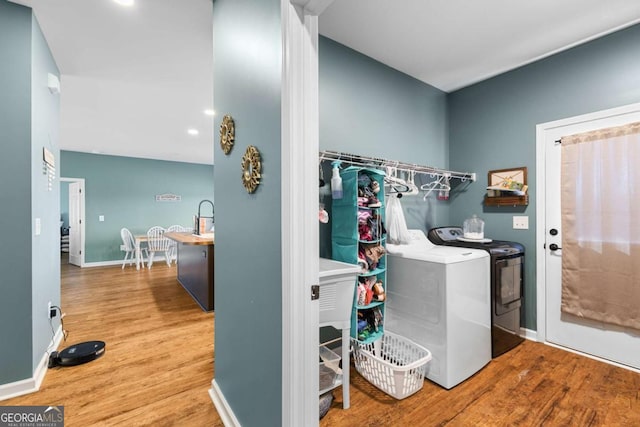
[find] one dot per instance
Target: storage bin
(330, 372)
(394, 364)
(337, 286)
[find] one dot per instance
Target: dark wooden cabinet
(195, 272)
(195, 266)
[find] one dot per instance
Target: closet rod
(375, 162)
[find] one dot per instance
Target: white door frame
(541, 225)
(300, 232)
(82, 214)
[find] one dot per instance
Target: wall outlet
(101, 218)
(49, 310)
(520, 222)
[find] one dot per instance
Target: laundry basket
(394, 364)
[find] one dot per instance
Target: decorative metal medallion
(251, 168)
(227, 134)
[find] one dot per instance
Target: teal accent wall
(123, 189)
(247, 45)
(30, 266)
(370, 109)
(64, 203)
(493, 126)
(45, 113)
(15, 134)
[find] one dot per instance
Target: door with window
(592, 235)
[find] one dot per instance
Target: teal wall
(45, 113)
(370, 109)
(493, 126)
(64, 203)
(28, 121)
(248, 277)
(123, 189)
(15, 134)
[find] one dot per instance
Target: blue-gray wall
(493, 125)
(15, 132)
(64, 203)
(248, 292)
(45, 113)
(370, 109)
(28, 121)
(123, 189)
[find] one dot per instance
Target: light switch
(38, 227)
(520, 222)
(101, 218)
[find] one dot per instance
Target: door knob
(554, 247)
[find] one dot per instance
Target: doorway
(72, 216)
(611, 343)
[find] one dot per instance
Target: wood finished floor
(159, 364)
(532, 385)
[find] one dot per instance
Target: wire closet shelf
(374, 162)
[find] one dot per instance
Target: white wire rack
(384, 164)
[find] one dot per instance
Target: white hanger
(413, 188)
(436, 185)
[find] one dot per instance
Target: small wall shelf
(506, 200)
(507, 187)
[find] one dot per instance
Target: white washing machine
(439, 297)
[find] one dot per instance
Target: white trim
(529, 334)
(107, 263)
(300, 234)
(599, 359)
(156, 258)
(82, 215)
(222, 406)
(541, 130)
(541, 227)
(31, 385)
(313, 7)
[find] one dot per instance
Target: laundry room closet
(370, 109)
(391, 123)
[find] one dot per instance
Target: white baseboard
(529, 334)
(224, 410)
(157, 258)
(600, 359)
(104, 264)
(533, 336)
(31, 385)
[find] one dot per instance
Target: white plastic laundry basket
(394, 364)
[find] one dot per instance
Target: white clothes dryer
(439, 297)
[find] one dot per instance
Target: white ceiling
(135, 79)
(454, 43)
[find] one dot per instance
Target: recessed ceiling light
(192, 131)
(124, 2)
(209, 112)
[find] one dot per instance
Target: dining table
(139, 239)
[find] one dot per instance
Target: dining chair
(156, 242)
(129, 247)
(173, 246)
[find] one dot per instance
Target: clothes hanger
(435, 185)
(396, 185)
(413, 188)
